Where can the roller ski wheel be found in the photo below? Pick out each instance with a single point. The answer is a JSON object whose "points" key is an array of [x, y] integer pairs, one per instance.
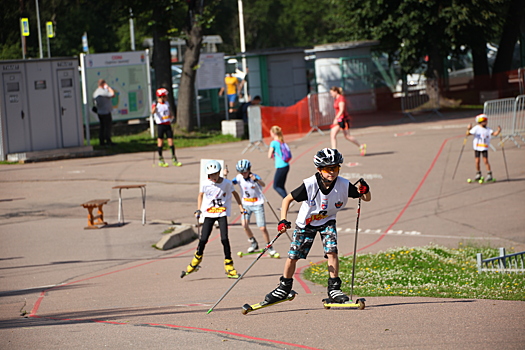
{"points": [[186, 273], [247, 308], [359, 304]]}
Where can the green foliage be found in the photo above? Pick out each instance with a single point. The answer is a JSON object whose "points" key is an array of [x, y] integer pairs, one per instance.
{"points": [[430, 271]]}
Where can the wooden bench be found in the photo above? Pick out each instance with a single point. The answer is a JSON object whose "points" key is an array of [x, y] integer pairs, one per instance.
{"points": [[94, 221], [121, 210]]}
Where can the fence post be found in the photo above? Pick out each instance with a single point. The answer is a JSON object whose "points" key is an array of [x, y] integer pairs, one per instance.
{"points": [[502, 261], [479, 260]]}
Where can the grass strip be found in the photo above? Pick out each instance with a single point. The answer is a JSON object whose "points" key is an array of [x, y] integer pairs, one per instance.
{"points": [[429, 271]]}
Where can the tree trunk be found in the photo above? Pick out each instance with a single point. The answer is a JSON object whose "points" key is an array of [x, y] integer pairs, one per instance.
{"points": [[506, 45], [187, 81], [480, 65], [162, 55]]}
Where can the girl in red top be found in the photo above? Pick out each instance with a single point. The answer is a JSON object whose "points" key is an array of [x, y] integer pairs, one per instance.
{"points": [[342, 120]]}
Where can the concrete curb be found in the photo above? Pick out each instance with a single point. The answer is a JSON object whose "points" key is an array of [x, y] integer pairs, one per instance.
{"points": [[181, 234]]}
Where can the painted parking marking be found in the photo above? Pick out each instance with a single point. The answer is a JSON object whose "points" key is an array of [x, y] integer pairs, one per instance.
{"points": [[408, 233]]}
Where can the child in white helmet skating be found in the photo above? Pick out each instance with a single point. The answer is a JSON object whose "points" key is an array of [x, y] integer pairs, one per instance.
{"points": [[214, 203], [253, 202]]}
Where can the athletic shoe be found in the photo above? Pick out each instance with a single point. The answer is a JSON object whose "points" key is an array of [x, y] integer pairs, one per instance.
{"points": [[230, 270], [489, 176], [194, 262], [254, 245], [176, 162], [334, 290], [478, 176], [272, 251], [281, 292], [362, 148], [162, 163]]}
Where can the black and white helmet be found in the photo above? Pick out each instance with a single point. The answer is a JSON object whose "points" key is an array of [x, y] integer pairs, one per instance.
{"points": [[213, 167], [327, 157], [243, 165]]}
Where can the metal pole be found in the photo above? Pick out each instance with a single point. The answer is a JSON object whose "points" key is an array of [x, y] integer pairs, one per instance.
{"points": [[131, 30], [243, 46], [39, 30]]}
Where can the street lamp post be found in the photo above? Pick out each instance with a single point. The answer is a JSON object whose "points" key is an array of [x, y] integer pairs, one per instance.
{"points": [[243, 46]]}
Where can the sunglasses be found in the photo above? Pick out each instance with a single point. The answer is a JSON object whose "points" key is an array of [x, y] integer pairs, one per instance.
{"points": [[331, 168]]}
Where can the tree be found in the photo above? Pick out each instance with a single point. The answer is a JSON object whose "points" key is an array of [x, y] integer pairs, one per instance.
{"points": [[199, 16]]}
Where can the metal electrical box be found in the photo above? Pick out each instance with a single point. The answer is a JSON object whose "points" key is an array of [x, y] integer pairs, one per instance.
{"points": [[40, 105]]}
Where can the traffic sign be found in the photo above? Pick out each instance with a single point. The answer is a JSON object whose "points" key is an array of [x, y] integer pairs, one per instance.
{"points": [[24, 26]]}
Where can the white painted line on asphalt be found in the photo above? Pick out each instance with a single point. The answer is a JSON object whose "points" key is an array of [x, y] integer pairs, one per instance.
{"points": [[351, 176], [408, 233]]}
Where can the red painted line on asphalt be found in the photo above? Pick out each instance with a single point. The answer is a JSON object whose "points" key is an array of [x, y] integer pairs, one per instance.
{"points": [[235, 334]]}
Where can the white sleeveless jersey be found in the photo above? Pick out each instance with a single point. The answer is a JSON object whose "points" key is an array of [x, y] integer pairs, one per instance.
{"points": [[320, 208], [251, 192], [162, 114], [217, 198], [482, 138]]}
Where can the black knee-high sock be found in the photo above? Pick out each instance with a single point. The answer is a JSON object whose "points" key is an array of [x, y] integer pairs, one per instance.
{"points": [[172, 151], [159, 149]]}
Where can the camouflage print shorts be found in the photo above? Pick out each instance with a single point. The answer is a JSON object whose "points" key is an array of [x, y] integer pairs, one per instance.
{"points": [[303, 238]]}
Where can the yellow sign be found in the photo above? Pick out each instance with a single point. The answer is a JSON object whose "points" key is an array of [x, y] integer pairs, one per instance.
{"points": [[49, 29], [24, 26]]}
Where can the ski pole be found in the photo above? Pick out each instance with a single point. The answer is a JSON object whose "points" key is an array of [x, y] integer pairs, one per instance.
{"points": [[355, 243], [271, 208], [460, 153], [244, 273], [355, 247], [504, 158]]}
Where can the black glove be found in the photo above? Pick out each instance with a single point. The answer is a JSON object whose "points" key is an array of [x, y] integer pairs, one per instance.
{"points": [[364, 189], [197, 213], [283, 225]]}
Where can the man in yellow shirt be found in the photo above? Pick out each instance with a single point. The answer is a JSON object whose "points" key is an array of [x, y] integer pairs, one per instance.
{"points": [[232, 90]]}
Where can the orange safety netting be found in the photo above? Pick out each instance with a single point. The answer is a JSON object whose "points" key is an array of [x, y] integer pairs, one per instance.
{"points": [[293, 120]]}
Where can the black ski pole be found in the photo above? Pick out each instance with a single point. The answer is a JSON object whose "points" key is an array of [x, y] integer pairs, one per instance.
{"points": [[355, 247], [504, 158], [460, 154], [271, 208], [355, 243], [244, 273]]}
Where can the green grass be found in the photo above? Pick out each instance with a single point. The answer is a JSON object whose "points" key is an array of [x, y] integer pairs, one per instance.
{"points": [[143, 142], [429, 271]]}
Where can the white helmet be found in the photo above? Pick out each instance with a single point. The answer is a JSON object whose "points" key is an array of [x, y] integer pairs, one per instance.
{"points": [[213, 167], [243, 165]]}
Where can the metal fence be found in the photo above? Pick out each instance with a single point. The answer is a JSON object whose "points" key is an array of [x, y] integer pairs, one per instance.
{"points": [[502, 263], [416, 99], [509, 113], [321, 110]]}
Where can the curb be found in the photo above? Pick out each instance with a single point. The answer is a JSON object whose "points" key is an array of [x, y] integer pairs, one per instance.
{"points": [[181, 234]]}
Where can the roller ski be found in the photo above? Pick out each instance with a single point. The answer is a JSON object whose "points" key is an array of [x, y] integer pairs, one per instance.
{"points": [[271, 252], [329, 303], [162, 163], [230, 270], [336, 298], [193, 266], [480, 179], [283, 292], [249, 308]]}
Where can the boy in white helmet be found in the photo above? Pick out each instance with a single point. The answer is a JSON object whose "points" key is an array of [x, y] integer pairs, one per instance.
{"points": [[214, 203], [253, 202], [482, 136], [322, 196], [163, 116]]}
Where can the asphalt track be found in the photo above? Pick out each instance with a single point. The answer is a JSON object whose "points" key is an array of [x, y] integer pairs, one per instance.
{"points": [[65, 287]]}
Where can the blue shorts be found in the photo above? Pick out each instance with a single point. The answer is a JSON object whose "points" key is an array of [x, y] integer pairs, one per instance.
{"points": [[303, 238], [232, 98], [258, 210]]}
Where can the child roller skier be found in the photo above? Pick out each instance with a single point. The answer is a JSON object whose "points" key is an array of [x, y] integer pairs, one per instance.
{"points": [[322, 195], [253, 202], [482, 136], [163, 116], [214, 202]]}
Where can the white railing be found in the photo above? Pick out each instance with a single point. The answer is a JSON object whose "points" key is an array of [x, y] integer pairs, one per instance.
{"points": [[509, 113], [502, 263]]}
